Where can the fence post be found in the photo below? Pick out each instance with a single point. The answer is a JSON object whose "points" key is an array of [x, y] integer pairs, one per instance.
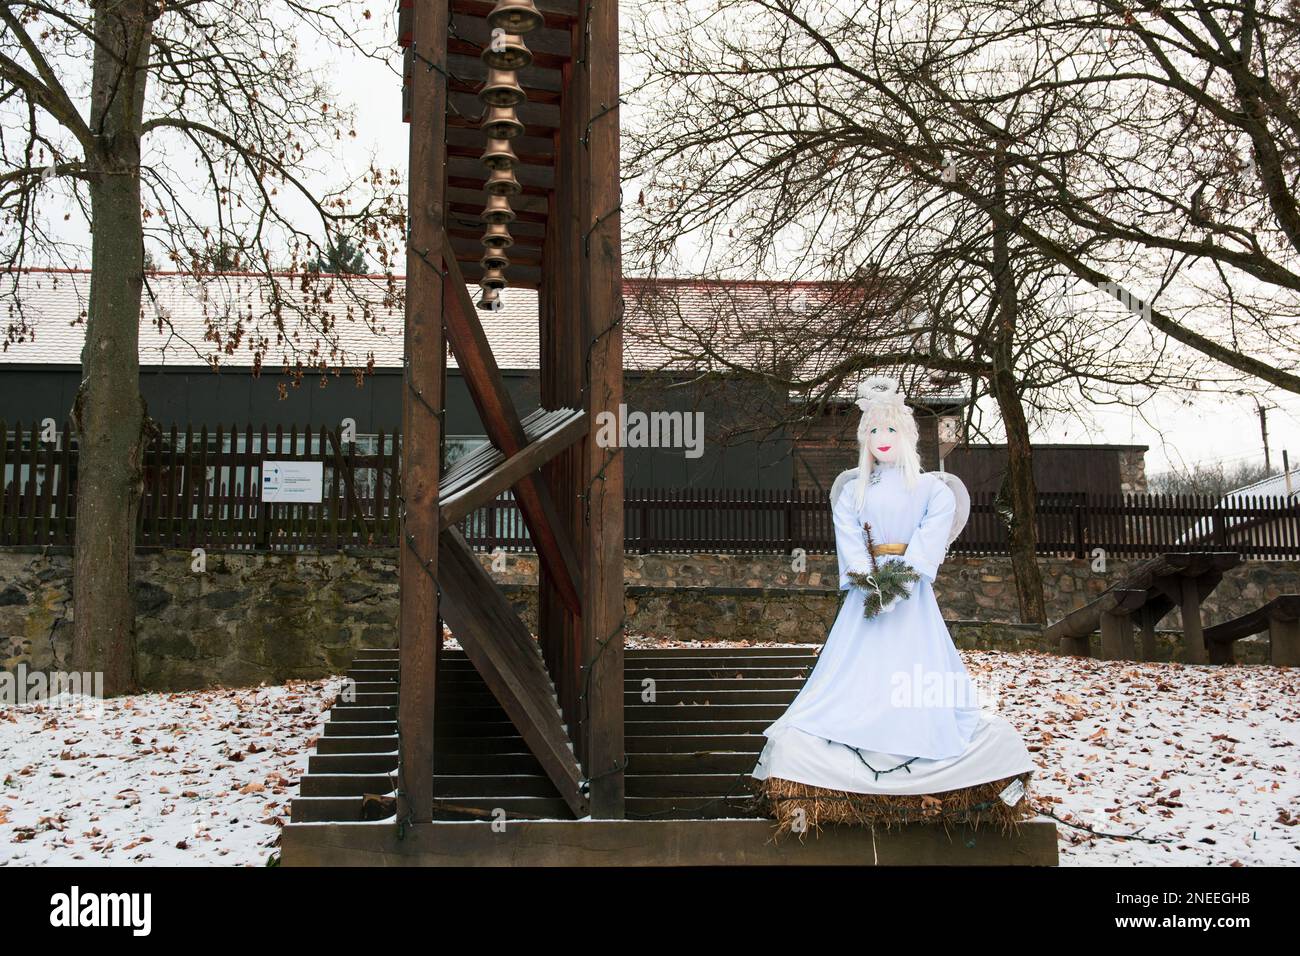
{"points": [[490, 526], [1220, 528], [789, 520], [645, 524], [1080, 545]]}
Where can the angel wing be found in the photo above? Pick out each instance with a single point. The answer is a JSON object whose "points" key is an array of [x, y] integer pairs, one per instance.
{"points": [[962, 514], [842, 479]]}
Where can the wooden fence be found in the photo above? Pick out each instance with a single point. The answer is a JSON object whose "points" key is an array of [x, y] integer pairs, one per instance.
{"points": [[203, 488]]}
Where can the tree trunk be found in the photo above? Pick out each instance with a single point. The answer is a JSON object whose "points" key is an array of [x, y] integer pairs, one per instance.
{"points": [[109, 413], [1020, 496], [1018, 492]]}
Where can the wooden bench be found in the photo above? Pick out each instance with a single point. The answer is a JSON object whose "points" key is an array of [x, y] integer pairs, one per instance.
{"points": [[1146, 593], [1280, 617]]}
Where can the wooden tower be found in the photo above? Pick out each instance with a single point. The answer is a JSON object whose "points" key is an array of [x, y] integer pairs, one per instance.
{"points": [[564, 226]]}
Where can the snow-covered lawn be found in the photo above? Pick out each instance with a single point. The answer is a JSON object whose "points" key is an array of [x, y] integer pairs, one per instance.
{"points": [[1202, 759], [159, 779]]}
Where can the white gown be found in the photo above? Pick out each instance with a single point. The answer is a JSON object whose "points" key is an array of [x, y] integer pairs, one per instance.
{"points": [[889, 707]]}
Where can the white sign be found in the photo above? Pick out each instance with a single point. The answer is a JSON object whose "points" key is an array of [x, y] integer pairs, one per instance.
{"points": [[300, 481]]}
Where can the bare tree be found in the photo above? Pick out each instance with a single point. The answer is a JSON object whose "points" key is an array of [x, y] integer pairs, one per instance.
{"points": [[1153, 146], [195, 128], [901, 148]]}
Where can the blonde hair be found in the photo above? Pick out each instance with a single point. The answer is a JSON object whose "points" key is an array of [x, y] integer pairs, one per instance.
{"points": [[894, 415]]}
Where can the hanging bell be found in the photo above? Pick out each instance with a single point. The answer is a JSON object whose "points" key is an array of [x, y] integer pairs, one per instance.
{"points": [[507, 52], [493, 279], [502, 182], [497, 212], [498, 237], [494, 259], [490, 300], [515, 16], [502, 89], [500, 122], [499, 155]]}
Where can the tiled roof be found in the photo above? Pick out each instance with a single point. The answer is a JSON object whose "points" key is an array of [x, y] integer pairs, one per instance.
{"points": [[668, 324], [802, 329], [182, 318]]}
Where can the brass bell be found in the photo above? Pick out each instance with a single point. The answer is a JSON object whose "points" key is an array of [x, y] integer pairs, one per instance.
{"points": [[502, 182], [515, 16], [502, 89], [499, 155], [500, 122], [494, 259], [498, 211], [507, 52], [493, 279], [498, 237], [490, 300]]}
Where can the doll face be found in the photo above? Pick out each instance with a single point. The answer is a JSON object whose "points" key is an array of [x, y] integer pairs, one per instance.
{"points": [[884, 443]]}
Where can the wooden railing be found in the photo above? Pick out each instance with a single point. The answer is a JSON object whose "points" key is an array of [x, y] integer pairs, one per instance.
{"points": [[202, 488]]}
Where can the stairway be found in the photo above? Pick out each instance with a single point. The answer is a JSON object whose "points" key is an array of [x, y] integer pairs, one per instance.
{"points": [[694, 719]]}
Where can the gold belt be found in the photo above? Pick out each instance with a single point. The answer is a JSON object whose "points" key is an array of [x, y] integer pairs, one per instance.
{"points": [[880, 549]]}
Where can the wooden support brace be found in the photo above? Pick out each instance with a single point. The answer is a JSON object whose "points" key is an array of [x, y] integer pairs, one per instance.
{"points": [[1284, 642], [424, 354], [1116, 637], [508, 472], [1193, 638], [505, 431], [504, 653], [1280, 617], [1148, 636]]}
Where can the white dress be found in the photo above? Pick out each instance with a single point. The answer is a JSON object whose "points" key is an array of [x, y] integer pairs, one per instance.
{"points": [[889, 707]]}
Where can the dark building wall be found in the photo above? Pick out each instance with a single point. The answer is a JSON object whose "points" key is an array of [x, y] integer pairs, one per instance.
{"points": [[1060, 469], [199, 396], [740, 449]]}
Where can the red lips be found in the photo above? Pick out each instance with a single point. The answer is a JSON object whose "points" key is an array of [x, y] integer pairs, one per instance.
{"points": [[884, 447]]}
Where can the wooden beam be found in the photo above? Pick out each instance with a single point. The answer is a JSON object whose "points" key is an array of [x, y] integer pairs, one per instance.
{"points": [[1073, 630], [508, 659], [1117, 637], [497, 412], [664, 843], [1193, 638], [422, 400], [599, 243], [1284, 642], [1278, 617], [508, 472], [555, 13]]}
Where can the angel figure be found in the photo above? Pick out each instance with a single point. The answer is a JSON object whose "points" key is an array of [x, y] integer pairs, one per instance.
{"points": [[888, 727]]}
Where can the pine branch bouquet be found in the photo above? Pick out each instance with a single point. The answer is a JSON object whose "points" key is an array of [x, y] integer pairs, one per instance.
{"points": [[886, 584]]}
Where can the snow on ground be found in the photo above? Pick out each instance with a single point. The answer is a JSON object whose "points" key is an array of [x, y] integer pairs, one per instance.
{"points": [[199, 778], [1202, 759]]}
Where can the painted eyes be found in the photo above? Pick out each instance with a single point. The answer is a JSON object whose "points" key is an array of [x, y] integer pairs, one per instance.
{"points": [[892, 431]]}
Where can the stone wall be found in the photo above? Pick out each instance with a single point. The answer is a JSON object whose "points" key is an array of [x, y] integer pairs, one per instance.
{"points": [[251, 618], [1133, 470]]}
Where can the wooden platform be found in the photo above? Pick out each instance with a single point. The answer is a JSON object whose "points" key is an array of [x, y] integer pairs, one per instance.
{"points": [[689, 752], [659, 843]]}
